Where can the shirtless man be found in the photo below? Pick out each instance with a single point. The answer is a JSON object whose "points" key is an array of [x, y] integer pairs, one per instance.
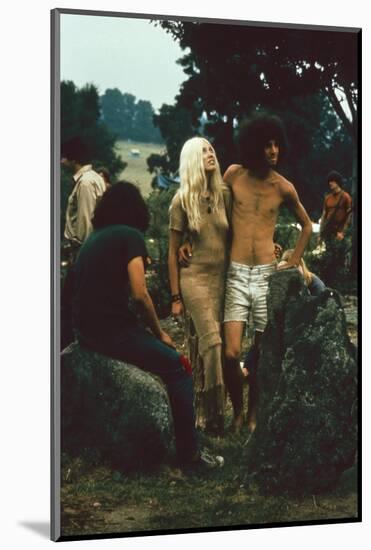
{"points": [[258, 193]]}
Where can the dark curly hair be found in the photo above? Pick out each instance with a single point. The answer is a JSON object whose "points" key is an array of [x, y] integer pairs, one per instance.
{"points": [[335, 176], [254, 135], [122, 204]]}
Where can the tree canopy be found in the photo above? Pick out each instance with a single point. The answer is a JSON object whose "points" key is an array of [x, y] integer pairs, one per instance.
{"points": [[81, 117], [233, 68], [129, 118]]}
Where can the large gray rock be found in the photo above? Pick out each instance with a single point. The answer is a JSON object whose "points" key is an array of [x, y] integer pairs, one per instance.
{"points": [[307, 424], [118, 411]]}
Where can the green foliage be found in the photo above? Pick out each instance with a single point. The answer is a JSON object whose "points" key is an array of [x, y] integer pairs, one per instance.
{"points": [[144, 128], [317, 144], [176, 125], [128, 118], [118, 112], [157, 240], [286, 232], [66, 189], [333, 266], [249, 67], [81, 117]]}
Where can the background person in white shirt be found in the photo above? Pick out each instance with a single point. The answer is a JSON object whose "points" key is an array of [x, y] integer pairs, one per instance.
{"points": [[88, 189]]}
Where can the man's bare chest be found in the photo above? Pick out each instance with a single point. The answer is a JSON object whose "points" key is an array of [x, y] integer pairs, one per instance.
{"points": [[264, 200]]}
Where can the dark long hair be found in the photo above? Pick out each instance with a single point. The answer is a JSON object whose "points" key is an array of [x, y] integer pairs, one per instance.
{"points": [[122, 204], [254, 135]]}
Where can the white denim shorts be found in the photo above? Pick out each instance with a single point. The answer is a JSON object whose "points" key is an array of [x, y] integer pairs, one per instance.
{"points": [[246, 293]]}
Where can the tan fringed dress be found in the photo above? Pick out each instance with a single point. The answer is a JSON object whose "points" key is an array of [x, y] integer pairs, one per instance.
{"points": [[202, 287]]}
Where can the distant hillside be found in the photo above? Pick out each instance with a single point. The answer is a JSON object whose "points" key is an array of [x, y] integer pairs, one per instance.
{"points": [[137, 169]]}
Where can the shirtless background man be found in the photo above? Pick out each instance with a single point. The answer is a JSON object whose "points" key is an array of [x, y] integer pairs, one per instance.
{"points": [[258, 193]]}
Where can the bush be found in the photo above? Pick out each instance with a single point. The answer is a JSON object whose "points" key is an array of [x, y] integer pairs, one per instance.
{"points": [[333, 265], [67, 184], [157, 240], [286, 232]]}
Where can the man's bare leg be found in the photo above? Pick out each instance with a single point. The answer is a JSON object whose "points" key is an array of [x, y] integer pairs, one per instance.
{"points": [[233, 331], [253, 389]]}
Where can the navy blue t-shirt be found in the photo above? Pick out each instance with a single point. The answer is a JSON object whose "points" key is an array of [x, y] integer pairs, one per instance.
{"points": [[101, 281]]}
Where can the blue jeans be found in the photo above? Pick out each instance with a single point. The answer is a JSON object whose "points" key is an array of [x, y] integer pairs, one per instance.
{"points": [[140, 348]]}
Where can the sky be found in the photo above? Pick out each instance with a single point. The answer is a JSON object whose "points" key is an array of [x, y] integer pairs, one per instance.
{"points": [[130, 54]]}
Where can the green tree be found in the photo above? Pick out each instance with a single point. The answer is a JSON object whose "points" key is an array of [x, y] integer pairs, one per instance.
{"points": [[157, 239], [252, 66], [81, 117], [118, 111], [112, 110], [128, 118], [318, 143], [176, 125], [143, 125]]}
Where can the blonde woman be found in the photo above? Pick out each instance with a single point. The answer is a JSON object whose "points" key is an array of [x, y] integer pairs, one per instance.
{"points": [[314, 283], [198, 213]]}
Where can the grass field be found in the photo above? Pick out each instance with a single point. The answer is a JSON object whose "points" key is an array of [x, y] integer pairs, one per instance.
{"points": [[137, 169]]}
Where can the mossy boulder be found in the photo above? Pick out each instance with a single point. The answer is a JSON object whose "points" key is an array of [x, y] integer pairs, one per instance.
{"points": [[117, 411], [306, 434]]}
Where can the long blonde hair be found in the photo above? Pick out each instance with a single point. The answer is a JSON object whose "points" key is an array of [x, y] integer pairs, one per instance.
{"points": [[193, 181], [307, 275]]}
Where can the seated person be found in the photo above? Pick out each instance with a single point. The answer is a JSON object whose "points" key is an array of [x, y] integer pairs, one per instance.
{"points": [[111, 266]]}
